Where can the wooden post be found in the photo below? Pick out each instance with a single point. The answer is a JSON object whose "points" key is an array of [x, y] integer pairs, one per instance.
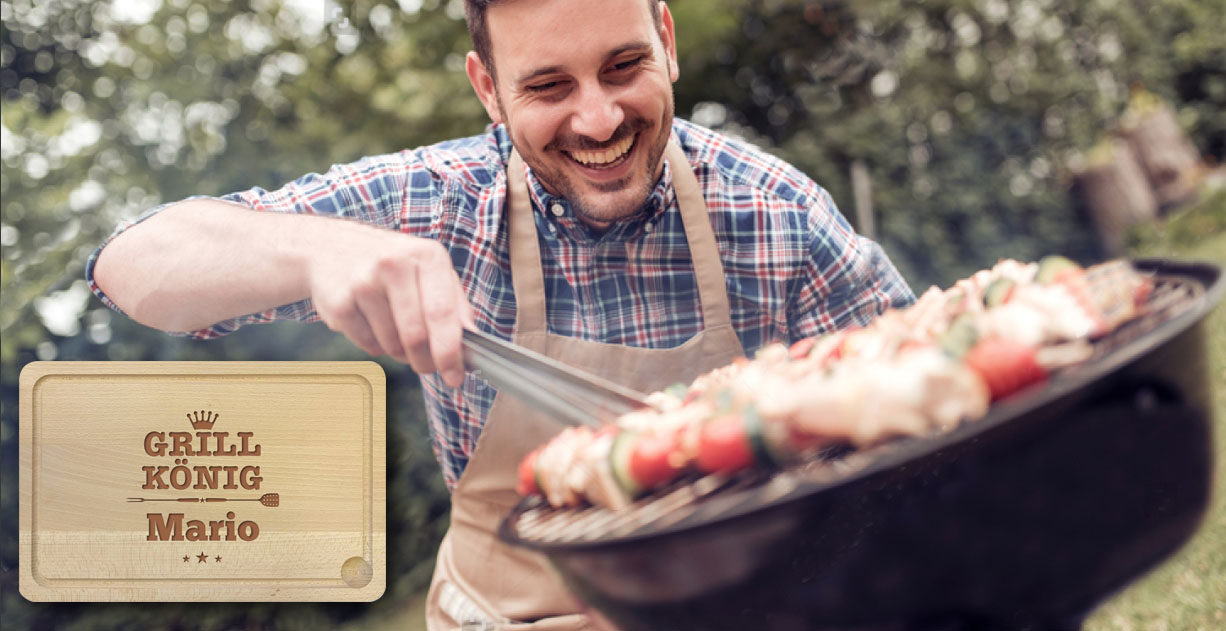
{"points": [[1117, 192], [862, 197], [1166, 154]]}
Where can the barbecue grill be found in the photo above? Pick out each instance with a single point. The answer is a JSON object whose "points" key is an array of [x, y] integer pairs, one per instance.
{"points": [[1025, 519]]}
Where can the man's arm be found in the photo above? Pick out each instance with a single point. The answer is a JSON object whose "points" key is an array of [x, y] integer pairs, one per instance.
{"points": [[848, 279], [204, 260]]}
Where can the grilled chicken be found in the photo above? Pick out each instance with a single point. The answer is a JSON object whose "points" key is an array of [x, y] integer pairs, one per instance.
{"points": [[912, 372]]}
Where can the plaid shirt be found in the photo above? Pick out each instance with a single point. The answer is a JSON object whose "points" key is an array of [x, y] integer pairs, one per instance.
{"points": [[794, 266]]}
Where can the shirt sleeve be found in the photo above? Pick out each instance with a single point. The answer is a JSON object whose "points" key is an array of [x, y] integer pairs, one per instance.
{"points": [[374, 190], [847, 280]]}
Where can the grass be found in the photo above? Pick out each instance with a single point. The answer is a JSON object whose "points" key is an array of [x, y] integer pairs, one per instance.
{"points": [[1188, 591]]}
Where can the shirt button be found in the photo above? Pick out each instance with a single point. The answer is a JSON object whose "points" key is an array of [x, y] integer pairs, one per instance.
{"points": [[558, 209], [647, 227]]}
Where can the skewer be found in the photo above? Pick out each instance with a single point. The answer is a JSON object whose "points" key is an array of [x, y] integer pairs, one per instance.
{"points": [[983, 340], [267, 499]]}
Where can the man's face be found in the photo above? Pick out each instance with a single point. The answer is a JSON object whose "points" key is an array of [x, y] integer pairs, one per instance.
{"points": [[585, 90]]}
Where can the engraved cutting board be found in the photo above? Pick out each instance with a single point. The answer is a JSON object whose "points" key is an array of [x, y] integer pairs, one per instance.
{"points": [[202, 481]]}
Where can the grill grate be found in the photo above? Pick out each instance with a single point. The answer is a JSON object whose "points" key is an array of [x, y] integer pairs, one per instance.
{"points": [[1171, 297], [696, 499]]}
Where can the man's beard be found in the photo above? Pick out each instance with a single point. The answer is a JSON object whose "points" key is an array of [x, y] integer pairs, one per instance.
{"points": [[596, 207]]}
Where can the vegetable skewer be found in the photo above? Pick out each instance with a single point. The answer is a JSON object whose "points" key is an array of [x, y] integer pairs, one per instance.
{"points": [[910, 372]]}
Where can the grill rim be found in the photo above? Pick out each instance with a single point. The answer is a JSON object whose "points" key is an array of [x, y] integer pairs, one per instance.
{"points": [[896, 455]]}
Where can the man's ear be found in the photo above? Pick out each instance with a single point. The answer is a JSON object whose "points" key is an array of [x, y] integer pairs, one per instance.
{"points": [[483, 83], [668, 36]]}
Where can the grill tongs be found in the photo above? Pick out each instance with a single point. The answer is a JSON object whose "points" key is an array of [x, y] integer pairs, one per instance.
{"points": [[564, 393]]}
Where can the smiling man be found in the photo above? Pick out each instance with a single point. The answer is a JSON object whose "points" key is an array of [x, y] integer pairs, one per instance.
{"points": [[586, 95], [587, 223]]}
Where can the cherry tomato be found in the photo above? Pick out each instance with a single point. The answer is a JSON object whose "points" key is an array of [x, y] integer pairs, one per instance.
{"points": [[723, 445], [651, 464], [1006, 366], [527, 475]]}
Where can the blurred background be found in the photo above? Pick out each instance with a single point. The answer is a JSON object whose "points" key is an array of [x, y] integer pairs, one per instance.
{"points": [[954, 132]]}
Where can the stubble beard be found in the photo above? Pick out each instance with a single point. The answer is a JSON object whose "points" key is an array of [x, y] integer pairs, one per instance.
{"points": [[597, 207]]}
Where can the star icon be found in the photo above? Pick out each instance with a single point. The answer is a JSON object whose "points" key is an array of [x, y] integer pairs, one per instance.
{"points": [[202, 558], [218, 559], [185, 558]]}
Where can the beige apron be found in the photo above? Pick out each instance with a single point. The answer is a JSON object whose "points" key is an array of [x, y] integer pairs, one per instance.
{"points": [[480, 582]]}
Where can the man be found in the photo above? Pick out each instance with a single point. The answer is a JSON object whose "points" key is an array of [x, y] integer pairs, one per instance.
{"points": [[632, 244]]}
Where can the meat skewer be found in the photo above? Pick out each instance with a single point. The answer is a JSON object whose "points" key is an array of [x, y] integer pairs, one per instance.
{"points": [[911, 372]]}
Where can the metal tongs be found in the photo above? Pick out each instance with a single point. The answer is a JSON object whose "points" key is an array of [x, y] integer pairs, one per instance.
{"points": [[565, 393]]}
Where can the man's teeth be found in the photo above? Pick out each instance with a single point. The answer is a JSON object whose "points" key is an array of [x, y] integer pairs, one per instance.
{"points": [[599, 158]]}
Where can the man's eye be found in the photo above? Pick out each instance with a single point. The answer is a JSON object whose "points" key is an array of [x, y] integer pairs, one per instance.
{"points": [[543, 87], [628, 64]]}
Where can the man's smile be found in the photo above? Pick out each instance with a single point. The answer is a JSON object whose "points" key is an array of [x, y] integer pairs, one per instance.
{"points": [[606, 158]]}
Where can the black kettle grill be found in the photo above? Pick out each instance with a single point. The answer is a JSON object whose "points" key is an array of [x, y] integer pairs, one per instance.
{"points": [[1025, 519]]}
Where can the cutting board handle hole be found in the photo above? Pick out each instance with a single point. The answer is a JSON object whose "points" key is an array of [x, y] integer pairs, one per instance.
{"points": [[356, 572]]}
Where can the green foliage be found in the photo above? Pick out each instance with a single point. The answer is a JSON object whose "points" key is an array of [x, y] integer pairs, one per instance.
{"points": [[1187, 228], [970, 116]]}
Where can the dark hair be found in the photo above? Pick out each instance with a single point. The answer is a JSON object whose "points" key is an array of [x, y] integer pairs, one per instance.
{"points": [[478, 30]]}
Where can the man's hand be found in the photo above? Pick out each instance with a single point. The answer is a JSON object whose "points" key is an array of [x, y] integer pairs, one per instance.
{"points": [[203, 261], [393, 294]]}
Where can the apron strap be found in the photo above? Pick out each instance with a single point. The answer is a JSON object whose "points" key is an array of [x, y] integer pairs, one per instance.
{"points": [[527, 276], [708, 268]]}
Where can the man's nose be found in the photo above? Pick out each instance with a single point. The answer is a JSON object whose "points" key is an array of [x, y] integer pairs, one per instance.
{"points": [[597, 114]]}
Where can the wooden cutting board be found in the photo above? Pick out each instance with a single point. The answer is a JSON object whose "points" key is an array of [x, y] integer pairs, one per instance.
{"points": [[202, 481]]}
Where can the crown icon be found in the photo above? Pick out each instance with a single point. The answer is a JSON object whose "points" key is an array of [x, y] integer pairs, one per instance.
{"points": [[203, 419]]}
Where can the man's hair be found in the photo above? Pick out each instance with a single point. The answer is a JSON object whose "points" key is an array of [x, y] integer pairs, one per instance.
{"points": [[479, 30]]}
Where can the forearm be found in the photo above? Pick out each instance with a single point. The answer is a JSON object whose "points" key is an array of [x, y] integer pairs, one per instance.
{"points": [[203, 261]]}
